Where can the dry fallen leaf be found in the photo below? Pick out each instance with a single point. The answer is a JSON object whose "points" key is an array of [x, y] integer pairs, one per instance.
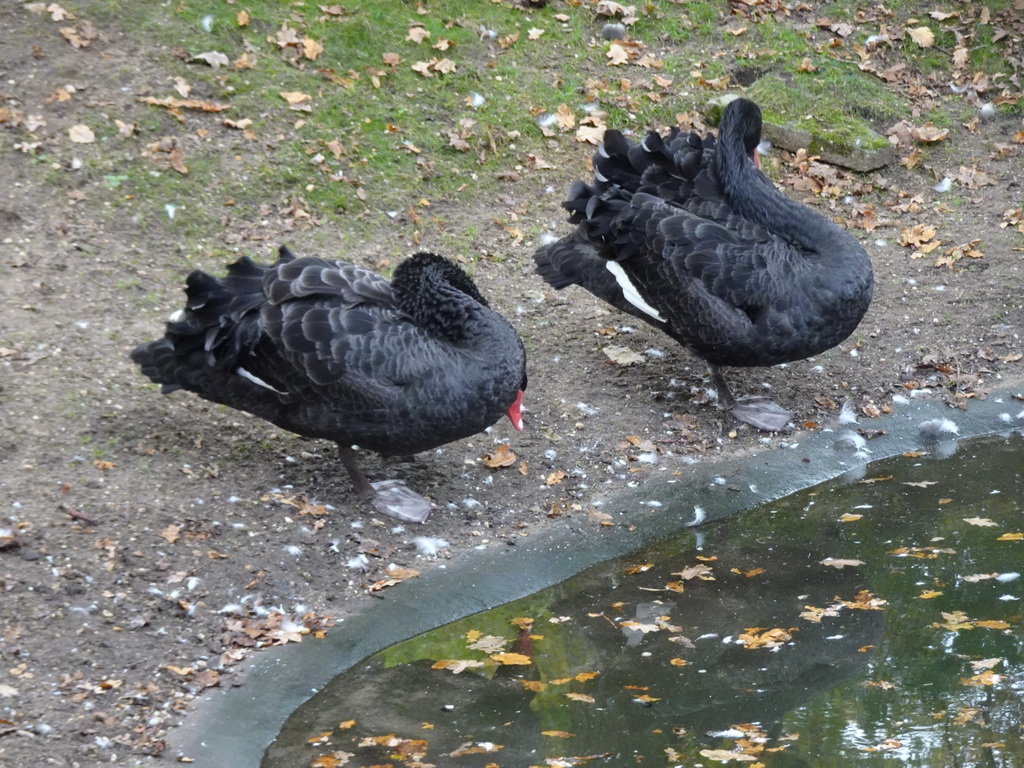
{"points": [[296, 99], [622, 355], [215, 59], [311, 48], [501, 456], [175, 104], [81, 134], [923, 36], [554, 478], [617, 55], [928, 133], [417, 34], [917, 235]]}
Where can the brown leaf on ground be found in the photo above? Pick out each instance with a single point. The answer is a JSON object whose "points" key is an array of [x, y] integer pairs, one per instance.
{"points": [[501, 456], [923, 36], [929, 133], [175, 104]]}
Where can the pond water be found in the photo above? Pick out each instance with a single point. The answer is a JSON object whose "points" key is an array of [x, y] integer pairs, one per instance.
{"points": [[873, 620]]}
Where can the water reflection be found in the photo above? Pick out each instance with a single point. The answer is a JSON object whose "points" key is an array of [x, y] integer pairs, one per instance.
{"points": [[875, 622]]}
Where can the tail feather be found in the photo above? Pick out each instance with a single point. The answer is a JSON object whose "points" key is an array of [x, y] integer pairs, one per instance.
{"points": [[202, 345], [573, 262]]}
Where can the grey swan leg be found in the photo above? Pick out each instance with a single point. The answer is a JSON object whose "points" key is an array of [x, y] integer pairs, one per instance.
{"points": [[759, 412], [389, 497]]}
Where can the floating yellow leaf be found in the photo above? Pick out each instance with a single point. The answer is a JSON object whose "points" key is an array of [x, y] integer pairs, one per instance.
{"points": [[646, 699], [702, 572], [928, 594], [469, 748], [980, 665], [511, 658], [849, 517], [456, 665], [725, 756], [558, 734], [1011, 537], [834, 562], [758, 637], [992, 624], [580, 697], [983, 679]]}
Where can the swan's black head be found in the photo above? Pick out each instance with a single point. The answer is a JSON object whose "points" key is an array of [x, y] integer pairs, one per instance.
{"points": [[413, 271], [742, 118]]}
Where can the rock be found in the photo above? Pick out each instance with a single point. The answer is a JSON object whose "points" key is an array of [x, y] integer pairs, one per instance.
{"points": [[852, 156], [795, 118]]}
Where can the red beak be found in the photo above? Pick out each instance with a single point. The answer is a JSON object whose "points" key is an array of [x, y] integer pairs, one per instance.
{"points": [[514, 412]]}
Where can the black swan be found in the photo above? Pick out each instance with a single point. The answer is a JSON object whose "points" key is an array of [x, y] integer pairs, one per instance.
{"points": [[328, 350], [687, 234]]}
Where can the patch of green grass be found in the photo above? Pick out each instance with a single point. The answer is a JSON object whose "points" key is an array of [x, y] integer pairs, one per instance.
{"points": [[380, 137], [784, 103]]}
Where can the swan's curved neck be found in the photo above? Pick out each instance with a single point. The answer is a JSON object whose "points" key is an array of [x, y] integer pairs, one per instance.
{"points": [[754, 197], [442, 302]]}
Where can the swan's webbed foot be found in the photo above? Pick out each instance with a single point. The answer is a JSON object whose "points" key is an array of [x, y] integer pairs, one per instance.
{"points": [[389, 497], [395, 499], [755, 410], [761, 412]]}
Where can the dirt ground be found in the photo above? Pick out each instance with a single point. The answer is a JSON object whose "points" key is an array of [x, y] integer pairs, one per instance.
{"points": [[149, 543]]}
